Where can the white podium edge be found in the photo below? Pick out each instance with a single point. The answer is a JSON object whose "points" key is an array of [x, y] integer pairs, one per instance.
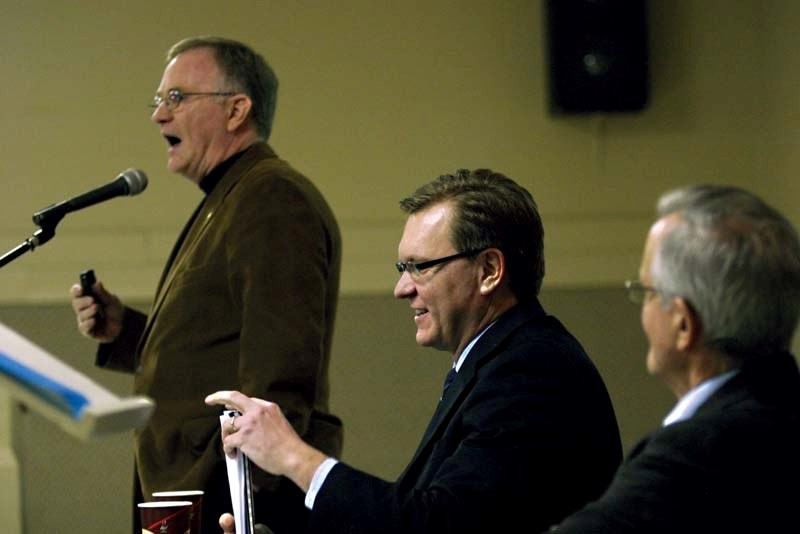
{"points": [[105, 414]]}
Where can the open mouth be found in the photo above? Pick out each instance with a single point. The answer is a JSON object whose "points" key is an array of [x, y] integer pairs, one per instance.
{"points": [[172, 140]]}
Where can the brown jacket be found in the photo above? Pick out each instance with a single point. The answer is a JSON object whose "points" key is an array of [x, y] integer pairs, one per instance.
{"points": [[247, 301]]}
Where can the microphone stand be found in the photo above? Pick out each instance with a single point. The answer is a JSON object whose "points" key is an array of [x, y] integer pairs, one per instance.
{"points": [[39, 238]]}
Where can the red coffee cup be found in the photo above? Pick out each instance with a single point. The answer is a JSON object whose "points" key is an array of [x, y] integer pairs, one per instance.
{"points": [[165, 517], [196, 498]]}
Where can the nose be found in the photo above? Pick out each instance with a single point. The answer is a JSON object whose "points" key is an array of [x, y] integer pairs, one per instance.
{"points": [[404, 288], [160, 113]]}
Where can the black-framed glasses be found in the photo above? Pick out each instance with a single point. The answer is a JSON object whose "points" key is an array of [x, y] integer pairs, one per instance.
{"points": [[415, 268], [637, 290], [176, 96]]}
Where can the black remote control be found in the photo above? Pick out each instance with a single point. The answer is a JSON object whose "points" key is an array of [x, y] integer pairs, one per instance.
{"points": [[87, 283]]}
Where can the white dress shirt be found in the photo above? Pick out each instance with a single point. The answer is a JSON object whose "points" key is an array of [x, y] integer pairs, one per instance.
{"points": [[689, 403]]}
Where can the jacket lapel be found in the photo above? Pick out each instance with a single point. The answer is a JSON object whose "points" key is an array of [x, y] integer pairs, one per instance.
{"points": [[483, 351]]}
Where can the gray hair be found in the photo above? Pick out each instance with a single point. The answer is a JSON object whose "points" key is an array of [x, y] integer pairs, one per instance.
{"points": [[245, 71], [491, 211], [736, 260]]}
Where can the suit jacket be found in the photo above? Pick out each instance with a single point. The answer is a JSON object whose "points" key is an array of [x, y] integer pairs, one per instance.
{"points": [[524, 435], [247, 301], [732, 467]]}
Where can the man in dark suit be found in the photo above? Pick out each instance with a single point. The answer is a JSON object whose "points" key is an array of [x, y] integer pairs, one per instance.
{"points": [[524, 434], [248, 296], [720, 290]]}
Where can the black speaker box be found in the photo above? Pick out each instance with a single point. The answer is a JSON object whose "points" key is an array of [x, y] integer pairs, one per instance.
{"points": [[598, 56]]}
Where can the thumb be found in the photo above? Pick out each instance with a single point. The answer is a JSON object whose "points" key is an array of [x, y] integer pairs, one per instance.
{"points": [[227, 523]]}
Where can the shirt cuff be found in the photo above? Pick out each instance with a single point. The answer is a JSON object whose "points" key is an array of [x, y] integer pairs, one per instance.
{"points": [[318, 479]]}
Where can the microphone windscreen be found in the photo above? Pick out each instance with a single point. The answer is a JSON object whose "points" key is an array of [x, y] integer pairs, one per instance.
{"points": [[136, 180]]}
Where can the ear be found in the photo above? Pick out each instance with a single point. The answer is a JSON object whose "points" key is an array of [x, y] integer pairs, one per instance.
{"points": [[686, 324], [492, 264], [239, 107]]}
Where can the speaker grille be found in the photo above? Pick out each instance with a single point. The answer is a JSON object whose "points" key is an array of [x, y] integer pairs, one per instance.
{"points": [[598, 55]]}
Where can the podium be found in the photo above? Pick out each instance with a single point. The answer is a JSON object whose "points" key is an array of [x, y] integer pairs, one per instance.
{"points": [[62, 395]]}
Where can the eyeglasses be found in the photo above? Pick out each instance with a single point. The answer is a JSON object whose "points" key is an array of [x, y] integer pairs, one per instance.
{"points": [[415, 268], [636, 291], [176, 96]]}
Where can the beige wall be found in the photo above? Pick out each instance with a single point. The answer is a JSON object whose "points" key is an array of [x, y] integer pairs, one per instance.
{"points": [[376, 97]]}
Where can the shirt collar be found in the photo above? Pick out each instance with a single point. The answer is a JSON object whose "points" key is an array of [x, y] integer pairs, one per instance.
{"points": [[210, 180], [468, 348], [689, 403]]}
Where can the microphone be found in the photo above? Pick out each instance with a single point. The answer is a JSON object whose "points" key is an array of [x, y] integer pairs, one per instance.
{"points": [[129, 182]]}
